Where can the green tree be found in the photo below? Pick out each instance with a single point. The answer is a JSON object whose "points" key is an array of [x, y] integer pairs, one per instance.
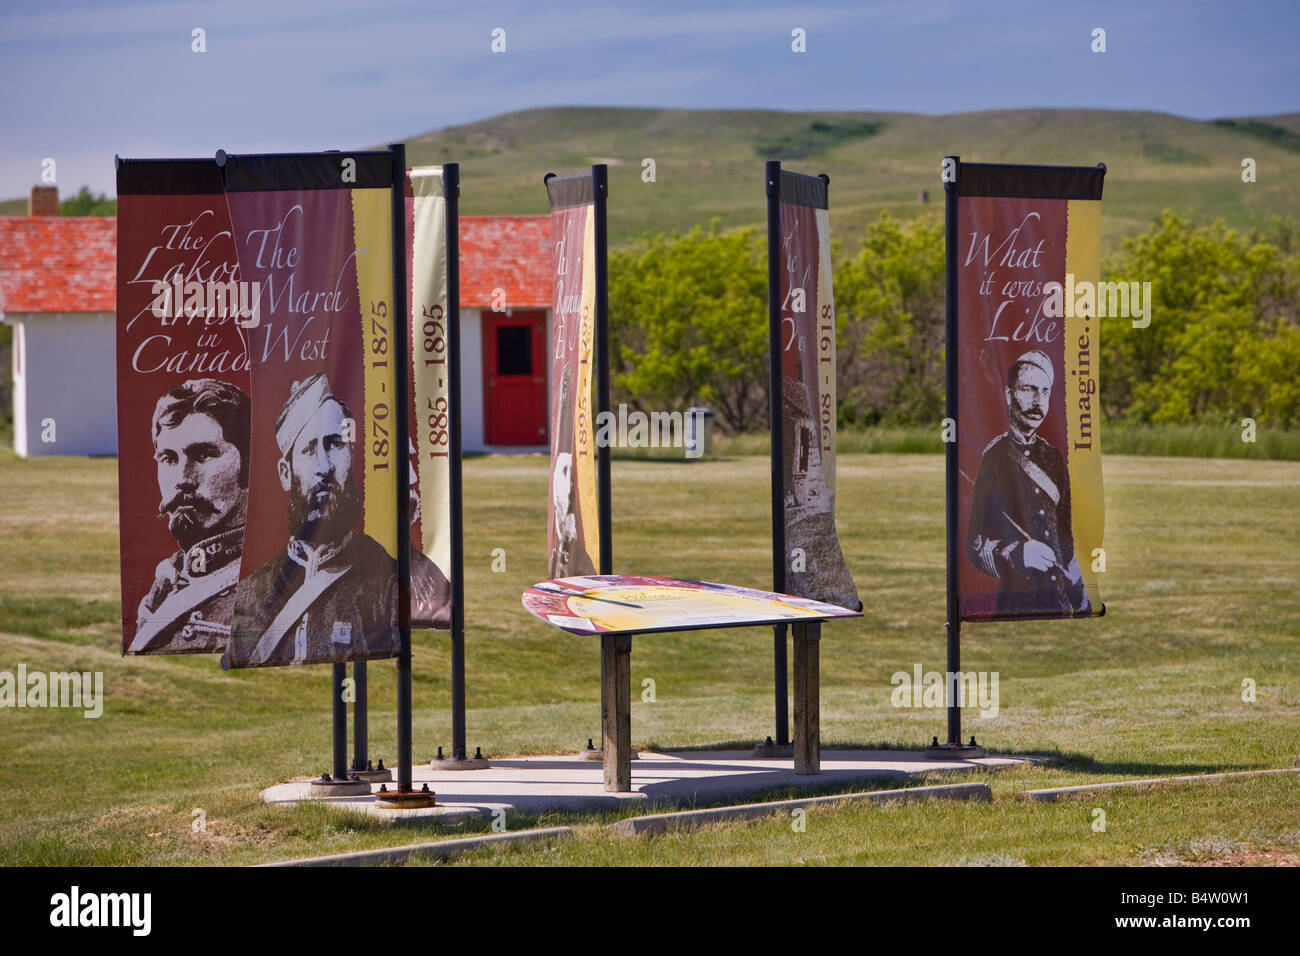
{"points": [[688, 322], [1223, 320], [889, 304], [86, 203]]}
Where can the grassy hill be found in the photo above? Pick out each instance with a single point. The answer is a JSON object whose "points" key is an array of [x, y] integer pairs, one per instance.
{"points": [[709, 162]]}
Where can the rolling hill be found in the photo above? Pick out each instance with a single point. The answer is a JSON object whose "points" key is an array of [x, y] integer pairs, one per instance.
{"points": [[709, 162]]}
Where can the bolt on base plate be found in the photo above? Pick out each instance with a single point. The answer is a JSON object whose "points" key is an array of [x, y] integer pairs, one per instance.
{"points": [[476, 762], [951, 751], [405, 800], [327, 786], [769, 748], [595, 753]]}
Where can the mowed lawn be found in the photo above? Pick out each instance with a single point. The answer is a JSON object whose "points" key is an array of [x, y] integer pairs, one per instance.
{"points": [[1202, 594]]}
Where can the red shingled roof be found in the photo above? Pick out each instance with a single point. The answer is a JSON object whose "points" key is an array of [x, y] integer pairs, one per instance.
{"points": [[505, 252], [69, 264], [53, 264]]}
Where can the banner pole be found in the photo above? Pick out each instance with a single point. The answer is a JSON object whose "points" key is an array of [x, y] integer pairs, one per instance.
{"points": [[340, 709], [953, 747], [401, 397], [772, 174], [600, 193], [451, 194], [950, 451], [360, 718]]}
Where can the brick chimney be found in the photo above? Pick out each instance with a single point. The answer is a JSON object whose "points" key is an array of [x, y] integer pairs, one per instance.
{"points": [[44, 201]]}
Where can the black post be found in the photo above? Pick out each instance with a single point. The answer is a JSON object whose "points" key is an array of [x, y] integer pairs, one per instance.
{"points": [[340, 724], [600, 193], [451, 195], [950, 451], [780, 677], [360, 719], [953, 747], [401, 398]]}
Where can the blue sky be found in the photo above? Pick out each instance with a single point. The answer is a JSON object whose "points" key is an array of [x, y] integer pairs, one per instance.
{"points": [[83, 80]]}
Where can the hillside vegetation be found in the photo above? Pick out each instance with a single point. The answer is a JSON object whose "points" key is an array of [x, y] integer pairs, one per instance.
{"points": [[708, 163]]}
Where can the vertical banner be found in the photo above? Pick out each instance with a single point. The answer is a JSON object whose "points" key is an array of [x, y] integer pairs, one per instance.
{"points": [[318, 580], [430, 389], [1030, 512], [815, 564], [184, 318], [572, 535]]}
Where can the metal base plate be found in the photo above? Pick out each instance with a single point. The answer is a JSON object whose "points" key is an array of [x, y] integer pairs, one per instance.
{"points": [[954, 752], [374, 776], [774, 750], [411, 800], [459, 763], [339, 788]]}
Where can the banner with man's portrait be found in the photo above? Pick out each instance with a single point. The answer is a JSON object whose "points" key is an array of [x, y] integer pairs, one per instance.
{"points": [[815, 567], [430, 391], [184, 320], [318, 580], [572, 535], [1030, 505]]}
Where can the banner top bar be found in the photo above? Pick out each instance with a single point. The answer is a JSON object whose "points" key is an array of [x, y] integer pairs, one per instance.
{"points": [[1013, 181], [577, 189], [803, 190], [167, 177], [267, 172]]}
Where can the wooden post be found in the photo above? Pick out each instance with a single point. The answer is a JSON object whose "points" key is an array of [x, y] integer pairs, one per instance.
{"points": [[807, 698], [616, 710]]}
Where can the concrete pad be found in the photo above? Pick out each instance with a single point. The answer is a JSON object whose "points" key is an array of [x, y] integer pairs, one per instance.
{"points": [[659, 822], [667, 779], [1053, 794], [442, 850]]}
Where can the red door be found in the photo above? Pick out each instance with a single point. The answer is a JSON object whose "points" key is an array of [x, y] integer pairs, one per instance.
{"points": [[514, 378]]}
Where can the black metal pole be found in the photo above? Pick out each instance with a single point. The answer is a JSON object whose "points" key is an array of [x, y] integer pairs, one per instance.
{"points": [[401, 398], [780, 678], [451, 195], [951, 478], [360, 718], [340, 724], [600, 193]]}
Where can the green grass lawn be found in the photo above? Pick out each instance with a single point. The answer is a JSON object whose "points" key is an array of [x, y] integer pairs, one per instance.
{"points": [[1203, 566]]}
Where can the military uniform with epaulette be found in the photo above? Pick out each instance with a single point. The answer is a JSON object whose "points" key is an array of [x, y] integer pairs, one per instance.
{"points": [[1023, 493]]}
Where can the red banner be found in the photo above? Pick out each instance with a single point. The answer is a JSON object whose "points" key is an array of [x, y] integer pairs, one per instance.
{"points": [[1030, 508], [182, 406], [318, 578]]}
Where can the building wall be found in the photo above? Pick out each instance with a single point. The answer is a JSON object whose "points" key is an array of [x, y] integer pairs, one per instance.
{"points": [[68, 372], [471, 384], [64, 368]]}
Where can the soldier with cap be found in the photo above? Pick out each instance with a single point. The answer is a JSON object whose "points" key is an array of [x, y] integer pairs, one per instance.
{"points": [[332, 594], [1020, 526], [200, 440]]}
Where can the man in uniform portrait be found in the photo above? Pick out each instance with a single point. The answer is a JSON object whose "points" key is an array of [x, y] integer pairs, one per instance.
{"points": [[200, 439], [1020, 528], [331, 595]]}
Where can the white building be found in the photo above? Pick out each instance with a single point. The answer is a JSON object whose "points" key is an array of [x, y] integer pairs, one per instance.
{"points": [[58, 291]]}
